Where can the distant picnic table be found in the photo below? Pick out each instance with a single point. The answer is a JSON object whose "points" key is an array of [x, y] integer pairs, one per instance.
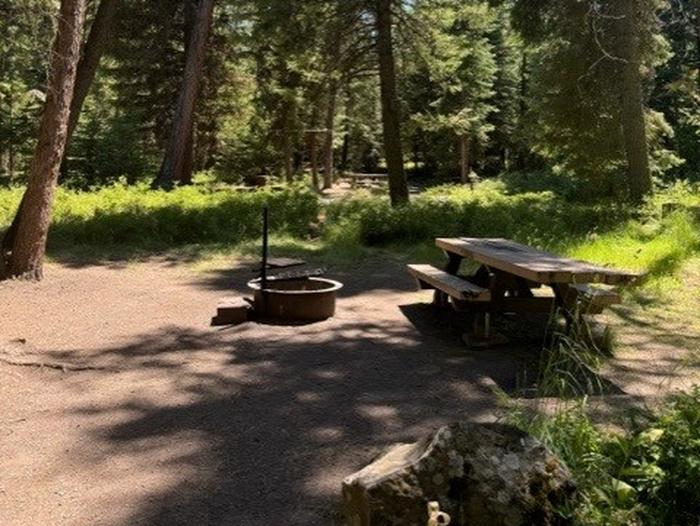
{"points": [[507, 274], [364, 178]]}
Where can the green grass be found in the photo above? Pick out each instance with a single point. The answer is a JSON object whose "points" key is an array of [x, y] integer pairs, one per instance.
{"points": [[538, 218], [127, 221], [133, 219], [657, 247]]}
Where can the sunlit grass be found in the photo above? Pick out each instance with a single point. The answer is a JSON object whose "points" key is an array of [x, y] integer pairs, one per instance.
{"points": [[657, 249]]}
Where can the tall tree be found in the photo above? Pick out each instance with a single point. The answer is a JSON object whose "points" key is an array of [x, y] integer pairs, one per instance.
{"points": [[677, 88], [590, 68], [328, 162], [24, 244], [449, 83], [398, 187], [25, 28], [175, 160], [94, 48], [632, 102]]}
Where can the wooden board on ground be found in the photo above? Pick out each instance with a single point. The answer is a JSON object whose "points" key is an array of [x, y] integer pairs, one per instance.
{"points": [[530, 263]]}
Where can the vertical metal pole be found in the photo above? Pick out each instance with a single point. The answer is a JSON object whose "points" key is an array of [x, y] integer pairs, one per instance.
{"points": [[263, 275]]}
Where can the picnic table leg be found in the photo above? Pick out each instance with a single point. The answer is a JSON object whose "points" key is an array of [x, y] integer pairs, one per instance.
{"points": [[441, 299], [561, 293], [482, 325]]}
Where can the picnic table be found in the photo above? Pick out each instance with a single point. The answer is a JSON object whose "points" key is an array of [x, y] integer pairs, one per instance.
{"points": [[364, 178], [507, 274]]}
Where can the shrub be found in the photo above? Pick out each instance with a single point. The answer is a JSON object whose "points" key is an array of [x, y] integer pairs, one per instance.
{"points": [[139, 217], [650, 475], [677, 455], [540, 218]]}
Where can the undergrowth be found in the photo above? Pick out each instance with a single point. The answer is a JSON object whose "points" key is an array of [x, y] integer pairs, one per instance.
{"points": [[137, 217], [570, 361], [649, 475]]}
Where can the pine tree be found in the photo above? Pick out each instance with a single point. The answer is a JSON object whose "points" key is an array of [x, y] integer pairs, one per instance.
{"points": [[24, 244]]}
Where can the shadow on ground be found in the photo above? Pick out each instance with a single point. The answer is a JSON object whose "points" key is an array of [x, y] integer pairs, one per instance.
{"points": [[261, 423]]}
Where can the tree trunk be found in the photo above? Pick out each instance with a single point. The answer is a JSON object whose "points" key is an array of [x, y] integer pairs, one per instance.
{"points": [[313, 157], [328, 164], [287, 146], [185, 176], [349, 111], [23, 253], [696, 19], [632, 105], [464, 160], [98, 39], [398, 187], [175, 159]]}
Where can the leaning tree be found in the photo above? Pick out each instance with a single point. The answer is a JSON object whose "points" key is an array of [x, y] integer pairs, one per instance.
{"points": [[24, 244]]}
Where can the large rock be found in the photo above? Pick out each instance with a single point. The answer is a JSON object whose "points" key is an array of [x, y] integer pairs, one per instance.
{"points": [[482, 475]]}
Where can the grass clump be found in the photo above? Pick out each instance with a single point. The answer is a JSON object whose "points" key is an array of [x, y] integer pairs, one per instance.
{"points": [[571, 358], [649, 475]]}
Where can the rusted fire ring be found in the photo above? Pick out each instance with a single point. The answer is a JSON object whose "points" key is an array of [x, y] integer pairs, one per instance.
{"points": [[296, 300]]}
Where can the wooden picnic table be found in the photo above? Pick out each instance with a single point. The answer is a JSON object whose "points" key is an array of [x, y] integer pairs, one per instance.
{"points": [[356, 178], [530, 263], [509, 272]]}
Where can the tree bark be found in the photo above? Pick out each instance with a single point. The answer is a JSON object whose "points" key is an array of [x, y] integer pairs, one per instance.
{"points": [[175, 159], [349, 111], [328, 163], [398, 187], [313, 157], [464, 160], [185, 176], [287, 146], [696, 19], [23, 250], [632, 105], [97, 41]]}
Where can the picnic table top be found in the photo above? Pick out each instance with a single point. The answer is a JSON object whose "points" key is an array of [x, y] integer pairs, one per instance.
{"points": [[532, 264]]}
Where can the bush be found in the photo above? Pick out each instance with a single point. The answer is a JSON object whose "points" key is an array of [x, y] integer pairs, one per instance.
{"points": [[677, 455], [139, 217], [649, 476], [539, 218]]}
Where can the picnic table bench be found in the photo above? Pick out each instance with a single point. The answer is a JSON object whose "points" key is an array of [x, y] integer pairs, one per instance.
{"points": [[507, 274], [364, 178]]}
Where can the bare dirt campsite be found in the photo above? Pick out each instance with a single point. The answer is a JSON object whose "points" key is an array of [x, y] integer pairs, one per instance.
{"points": [[152, 417], [349, 263]]}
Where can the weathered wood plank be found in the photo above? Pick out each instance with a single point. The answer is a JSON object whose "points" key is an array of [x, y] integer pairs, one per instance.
{"points": [[454, 286]]}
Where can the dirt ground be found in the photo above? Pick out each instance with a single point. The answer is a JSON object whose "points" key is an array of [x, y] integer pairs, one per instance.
{"points": [[160, 419]]}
